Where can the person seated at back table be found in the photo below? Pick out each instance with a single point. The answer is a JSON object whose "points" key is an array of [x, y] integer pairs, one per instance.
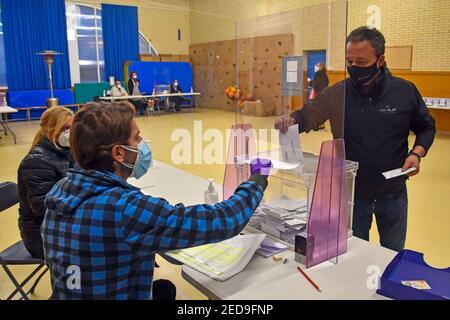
{"points": [[106, 232], [117, 90], [133, 90], [175, 88]]}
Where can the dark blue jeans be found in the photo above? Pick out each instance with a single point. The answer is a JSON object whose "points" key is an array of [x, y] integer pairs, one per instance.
{"points": [[391, 212]]}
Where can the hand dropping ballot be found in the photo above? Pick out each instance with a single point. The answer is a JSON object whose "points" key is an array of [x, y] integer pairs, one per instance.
{"points": [[291, 151], [397, 173], [290, 145]]}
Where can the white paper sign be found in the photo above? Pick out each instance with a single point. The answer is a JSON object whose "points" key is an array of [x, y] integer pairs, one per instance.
{"points": [[291, 77], [292, 66]]}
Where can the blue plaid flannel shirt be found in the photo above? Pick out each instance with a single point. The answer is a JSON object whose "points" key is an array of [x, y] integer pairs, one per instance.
{"points": [[101, 234]]}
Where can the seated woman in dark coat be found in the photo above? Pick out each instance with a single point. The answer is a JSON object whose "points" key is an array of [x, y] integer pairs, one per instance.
{"points": [[45, 164]]}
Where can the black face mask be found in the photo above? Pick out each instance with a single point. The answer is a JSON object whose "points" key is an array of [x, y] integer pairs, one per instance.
{"points": [[362, 75]]}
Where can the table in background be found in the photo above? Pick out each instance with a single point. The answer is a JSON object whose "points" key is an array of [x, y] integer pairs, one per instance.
{"points": [[164, 96], [4, 110]]}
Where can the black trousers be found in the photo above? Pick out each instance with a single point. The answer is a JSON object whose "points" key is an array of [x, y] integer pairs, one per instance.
{"points": [[178, 101], [35, 247], [140, 105], [164, 290]]}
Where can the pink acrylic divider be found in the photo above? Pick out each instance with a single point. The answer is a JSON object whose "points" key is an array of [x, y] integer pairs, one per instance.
{"points": [[327, 223], [241, 145]]}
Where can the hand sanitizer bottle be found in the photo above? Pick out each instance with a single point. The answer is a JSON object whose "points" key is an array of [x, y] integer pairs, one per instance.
{"points": [[104, 93], [192, 89], [153, 92], [211, 196]]}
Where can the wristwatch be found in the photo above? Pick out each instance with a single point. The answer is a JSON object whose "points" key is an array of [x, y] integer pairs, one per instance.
{"points": [[412, 153]]}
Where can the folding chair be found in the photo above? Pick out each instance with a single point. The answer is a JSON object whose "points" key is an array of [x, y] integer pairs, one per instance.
{"points": [[17, 254]]}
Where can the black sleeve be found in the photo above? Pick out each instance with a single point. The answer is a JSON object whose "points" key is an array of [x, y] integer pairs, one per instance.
{"points": [[422, 123], [130, 87], [172, 89], [38, 177], [260, 180], [313, 114]]}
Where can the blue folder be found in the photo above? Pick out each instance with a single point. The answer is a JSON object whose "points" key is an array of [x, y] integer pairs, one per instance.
{"points": [[409, 265]]}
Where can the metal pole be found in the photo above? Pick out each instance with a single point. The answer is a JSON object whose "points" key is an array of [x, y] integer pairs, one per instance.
{"points": [[51, 79]]}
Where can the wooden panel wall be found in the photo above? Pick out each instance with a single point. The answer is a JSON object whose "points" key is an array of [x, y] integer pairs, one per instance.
{"points": [[400, 58], [253, 63], [442, 118]]}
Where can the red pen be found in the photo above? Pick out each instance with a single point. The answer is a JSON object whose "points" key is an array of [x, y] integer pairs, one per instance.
{"points": [[309, 279]]}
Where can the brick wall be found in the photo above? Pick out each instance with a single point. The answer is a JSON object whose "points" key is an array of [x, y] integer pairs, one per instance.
{"points": [[423, 24]]}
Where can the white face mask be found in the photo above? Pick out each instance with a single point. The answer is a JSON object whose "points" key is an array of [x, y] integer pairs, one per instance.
{"points": [[316, 68], [63, 139], [176, 84], [134, 76], [119, 86]]}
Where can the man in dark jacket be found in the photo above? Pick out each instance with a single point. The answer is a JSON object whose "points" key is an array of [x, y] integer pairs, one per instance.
{"points": [[380, 111]]}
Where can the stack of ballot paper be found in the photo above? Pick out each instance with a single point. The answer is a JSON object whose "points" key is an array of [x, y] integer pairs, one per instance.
{"points": [[221, 260], [281, 218], [269, 248]]}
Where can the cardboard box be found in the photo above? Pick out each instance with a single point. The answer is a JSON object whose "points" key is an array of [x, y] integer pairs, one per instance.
{"points": [[257, 109]]}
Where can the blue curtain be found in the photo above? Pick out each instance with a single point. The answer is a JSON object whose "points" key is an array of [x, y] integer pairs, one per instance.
{"points": [[120, 37], [32, 26]]}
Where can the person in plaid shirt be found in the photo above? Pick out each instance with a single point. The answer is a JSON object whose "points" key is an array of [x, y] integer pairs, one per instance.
{"points": [[101, 234]]}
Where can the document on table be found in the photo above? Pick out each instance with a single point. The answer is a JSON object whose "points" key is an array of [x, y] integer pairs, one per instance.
{"points": [[397, 172], [290, 145], [269, 248], [221, 260]]}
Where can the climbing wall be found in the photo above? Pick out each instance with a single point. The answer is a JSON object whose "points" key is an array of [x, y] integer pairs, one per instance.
{"points": [[254, 64]]}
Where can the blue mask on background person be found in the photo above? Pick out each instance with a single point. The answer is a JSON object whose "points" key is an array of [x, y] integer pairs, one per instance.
{"points": [[143, 160]]}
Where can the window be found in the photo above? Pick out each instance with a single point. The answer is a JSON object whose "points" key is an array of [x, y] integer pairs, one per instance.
{"points": [[2, 57], [85, 40], [145, 47]]}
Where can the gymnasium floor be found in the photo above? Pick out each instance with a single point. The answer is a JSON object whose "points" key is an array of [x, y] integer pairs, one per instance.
{"points": [[429, 192]]}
